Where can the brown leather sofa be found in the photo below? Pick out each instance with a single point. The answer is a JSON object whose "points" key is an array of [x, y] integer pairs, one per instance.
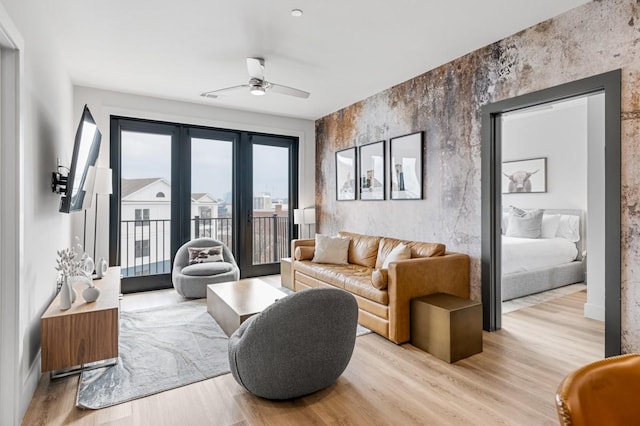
{"points": [[384, 311]]}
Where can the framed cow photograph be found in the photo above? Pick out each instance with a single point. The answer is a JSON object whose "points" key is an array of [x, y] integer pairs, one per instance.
{"points": [[524, 176]]}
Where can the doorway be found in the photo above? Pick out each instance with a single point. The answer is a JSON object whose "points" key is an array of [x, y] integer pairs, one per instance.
{"points": [[609, 84], [175, 183]]}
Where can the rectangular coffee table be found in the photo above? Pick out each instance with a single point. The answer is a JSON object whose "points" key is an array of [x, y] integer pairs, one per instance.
{"points": [[230, 304]]}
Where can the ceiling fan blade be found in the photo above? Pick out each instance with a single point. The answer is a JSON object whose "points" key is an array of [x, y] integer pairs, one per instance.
{"points": [[285, 90], [255, 67], [215, 93]]}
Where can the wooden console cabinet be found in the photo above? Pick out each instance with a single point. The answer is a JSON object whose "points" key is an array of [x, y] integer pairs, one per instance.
{"points": [[87, 332]]}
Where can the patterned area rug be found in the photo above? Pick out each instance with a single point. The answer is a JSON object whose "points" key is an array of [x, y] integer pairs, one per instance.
{"points": [[160, 349]]}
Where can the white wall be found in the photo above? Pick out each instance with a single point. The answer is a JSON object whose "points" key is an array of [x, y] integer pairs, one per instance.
{"points": [[104, 103], [594, 308], [46, 124], [560, 134]]}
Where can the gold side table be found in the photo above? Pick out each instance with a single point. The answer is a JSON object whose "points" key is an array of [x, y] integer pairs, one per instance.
{"points": [[448, 327]]}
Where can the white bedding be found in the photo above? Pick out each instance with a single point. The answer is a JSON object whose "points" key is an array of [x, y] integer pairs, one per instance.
{"points": [[525, 254]]}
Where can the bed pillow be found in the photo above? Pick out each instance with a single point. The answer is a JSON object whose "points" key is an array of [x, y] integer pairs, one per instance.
{"points": [[527, 225], [550, 224], [569, 228], [331, 250], [505, 222]]}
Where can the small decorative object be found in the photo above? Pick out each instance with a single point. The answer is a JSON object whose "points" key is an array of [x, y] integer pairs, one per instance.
{"points": [[91, 293], [524, 176], [406, 167], [65, 294], [346, 174], [73, 263], [372, 181], [101, 268]]}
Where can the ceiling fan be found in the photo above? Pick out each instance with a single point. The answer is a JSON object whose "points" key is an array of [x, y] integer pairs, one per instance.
{"points": [[257, 84]]}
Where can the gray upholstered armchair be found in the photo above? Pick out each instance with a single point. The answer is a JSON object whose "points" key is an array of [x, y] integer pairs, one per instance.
{"points": [[191, 280], [300, 344]]}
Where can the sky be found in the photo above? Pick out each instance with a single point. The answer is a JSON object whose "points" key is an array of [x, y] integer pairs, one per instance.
{"points": [[147, 155]]}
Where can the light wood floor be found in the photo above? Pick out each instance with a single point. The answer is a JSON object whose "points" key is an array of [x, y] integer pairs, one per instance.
{"points": [[512, 382]]}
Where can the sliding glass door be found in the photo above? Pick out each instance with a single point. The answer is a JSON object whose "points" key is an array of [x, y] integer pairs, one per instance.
{"points": [[268, 194], [178, 183]]}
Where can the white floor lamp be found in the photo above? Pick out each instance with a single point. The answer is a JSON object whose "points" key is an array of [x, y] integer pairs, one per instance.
{"points": [[297, 219], [309, 218], [102, 184]]}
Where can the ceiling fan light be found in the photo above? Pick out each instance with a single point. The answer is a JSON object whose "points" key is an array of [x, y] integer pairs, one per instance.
{"points": [[257, 90]]}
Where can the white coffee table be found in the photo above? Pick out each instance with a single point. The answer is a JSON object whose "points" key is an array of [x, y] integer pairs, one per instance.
{"points": [[231, 303]]}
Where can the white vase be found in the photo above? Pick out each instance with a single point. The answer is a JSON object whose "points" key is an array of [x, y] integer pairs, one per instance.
{"points": [[91, 294], [65, 294]]}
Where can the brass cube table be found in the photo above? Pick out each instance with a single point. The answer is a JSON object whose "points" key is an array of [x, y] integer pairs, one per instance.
{"points": [[232, 303], [448, 327]]}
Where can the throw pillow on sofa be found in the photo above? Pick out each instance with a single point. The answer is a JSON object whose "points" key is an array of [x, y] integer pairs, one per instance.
{"points": [[400, 252], [304, 253], [379, 278], [331, 250]]}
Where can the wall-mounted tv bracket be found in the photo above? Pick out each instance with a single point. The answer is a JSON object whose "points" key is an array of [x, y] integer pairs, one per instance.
{"points": [[58, 180]]}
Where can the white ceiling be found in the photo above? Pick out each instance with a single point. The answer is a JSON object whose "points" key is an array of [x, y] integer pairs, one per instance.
{"points": [[340, 51]]}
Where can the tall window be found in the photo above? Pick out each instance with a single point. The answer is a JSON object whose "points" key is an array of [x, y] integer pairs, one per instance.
{"points": [[142, 248]]}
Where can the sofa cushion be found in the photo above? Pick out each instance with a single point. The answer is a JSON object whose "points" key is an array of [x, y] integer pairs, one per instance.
{"points": [[353, 278], [361, 286], [418, 249], [363, 249], [331, 250], [207, 269]]}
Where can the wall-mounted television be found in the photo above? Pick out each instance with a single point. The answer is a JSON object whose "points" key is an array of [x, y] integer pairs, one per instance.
{"points": [[86, 149]]}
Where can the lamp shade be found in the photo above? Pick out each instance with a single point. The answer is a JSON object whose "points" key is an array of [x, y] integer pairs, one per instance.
{"points": [[310, 216], [90, 181], [103, 183], [297, 216]]}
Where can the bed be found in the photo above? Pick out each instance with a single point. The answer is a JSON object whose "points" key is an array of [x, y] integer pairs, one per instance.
{"points": [[553, 260]]}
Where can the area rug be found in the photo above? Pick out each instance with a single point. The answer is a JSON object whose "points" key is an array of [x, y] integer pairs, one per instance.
{"points": [[160, 349]]}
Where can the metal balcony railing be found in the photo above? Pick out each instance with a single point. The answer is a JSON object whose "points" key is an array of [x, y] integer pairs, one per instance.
{"points": [[145, 247]]}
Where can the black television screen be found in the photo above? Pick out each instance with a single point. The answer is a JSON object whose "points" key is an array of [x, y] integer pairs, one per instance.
{"points": [[86, 149]]}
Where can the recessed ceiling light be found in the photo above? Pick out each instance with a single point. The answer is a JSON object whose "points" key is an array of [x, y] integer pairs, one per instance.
{"points": [[296, 12]]}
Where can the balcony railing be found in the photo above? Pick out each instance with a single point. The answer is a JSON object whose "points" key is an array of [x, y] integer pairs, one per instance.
{"points": [[145, 247]]}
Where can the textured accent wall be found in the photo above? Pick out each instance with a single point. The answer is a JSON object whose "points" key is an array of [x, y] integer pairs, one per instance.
{"points": [[445, 103]]}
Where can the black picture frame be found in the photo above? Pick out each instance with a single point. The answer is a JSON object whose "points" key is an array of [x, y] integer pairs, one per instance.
{"points": [[524, 176], [346, 182], [371, 171], [406, 166]]}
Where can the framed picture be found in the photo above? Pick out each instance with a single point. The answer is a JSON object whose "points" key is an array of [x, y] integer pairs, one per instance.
{"points": [[524, 176], [406, 167], [346, 174], [372, 182]]}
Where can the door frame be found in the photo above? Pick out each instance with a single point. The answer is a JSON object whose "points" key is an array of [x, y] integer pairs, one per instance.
{"points": [[12, 389], [491, 152]]}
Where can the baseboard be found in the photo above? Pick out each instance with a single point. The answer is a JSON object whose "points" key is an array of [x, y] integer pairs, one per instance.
{"points": [[595, 312], [30, 385]]}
